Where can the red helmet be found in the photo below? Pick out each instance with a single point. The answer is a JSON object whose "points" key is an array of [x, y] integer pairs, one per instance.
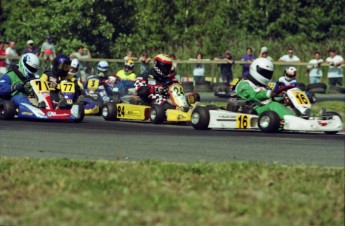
{"points": [[291, 72], [162, 64]]}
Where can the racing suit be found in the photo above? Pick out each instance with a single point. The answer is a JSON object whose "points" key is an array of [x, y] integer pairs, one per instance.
{"points": [[8, 83], [248, 91], [150, 88], [55, 85], [282, 82], [126, 81]]}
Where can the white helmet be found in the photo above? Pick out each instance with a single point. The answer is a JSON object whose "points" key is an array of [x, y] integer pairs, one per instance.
{"points": [[74, 67], [103, 66], [290, 73], [261, 71], [29, 65]]}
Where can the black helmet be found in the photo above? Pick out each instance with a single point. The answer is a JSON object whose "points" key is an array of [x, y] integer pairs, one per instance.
{"points": [[61, 65], [162, 65]]}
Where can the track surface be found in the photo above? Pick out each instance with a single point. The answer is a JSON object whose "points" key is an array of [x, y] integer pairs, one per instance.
{"points": [[96, 139]]}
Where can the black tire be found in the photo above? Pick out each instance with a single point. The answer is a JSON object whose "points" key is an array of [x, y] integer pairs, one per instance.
{"points": [[82, 113], [109, 112], [116, 97], [187, 86], [100, 104], [333, 113], [336, 89], [157, 114], [312, 97], [317, 88], [200, 118], [7, 110], [301, 86], [269, 122]]}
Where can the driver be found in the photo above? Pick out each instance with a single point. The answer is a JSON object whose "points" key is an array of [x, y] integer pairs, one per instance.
{"points": [[127, 78], [254, 88], [288, 79], [150, 87], [13, 84]]}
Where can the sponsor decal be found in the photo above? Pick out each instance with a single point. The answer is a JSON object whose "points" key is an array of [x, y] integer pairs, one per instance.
{"points": [[134, 113], [27, 113], [179, 117], [322, 123]]}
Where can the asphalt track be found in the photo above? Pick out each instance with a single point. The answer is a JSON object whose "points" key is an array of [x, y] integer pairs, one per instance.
{"points": [[97, 139]]}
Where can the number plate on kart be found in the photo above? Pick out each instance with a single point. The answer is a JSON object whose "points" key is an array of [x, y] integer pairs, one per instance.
{"points": [[40, 85], [301, 97], [93, 84], [67, 87], [242, 121]]}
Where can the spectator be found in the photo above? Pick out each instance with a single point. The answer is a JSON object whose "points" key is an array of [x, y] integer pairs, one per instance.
{"points": [[248, 57], [226, 68], [145, 64], [11, 52], [264, 53], [48, 51], [199, 70], [3, 68], [82, 54], [31, 48], [130, 56], [289, 57], [314, 69], [335, 72]]}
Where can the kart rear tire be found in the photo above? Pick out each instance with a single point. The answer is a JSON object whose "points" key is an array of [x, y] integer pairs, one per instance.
{"points": [[269, 122], [157, 114], [333, 113], [317, 88], [7, 110], [109, 112], [82, 113], [200, 118]]}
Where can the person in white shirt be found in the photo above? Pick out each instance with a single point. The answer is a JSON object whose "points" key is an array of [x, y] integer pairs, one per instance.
{"points": [[290, 57], [264, 53], [314, 69], [335, 71], [11, 52]]}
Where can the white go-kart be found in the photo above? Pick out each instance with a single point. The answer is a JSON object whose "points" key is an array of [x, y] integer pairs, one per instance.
{"points": [[240, 115]]}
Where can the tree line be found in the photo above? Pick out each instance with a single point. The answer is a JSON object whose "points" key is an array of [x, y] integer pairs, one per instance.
{"points": [[110, 27]]}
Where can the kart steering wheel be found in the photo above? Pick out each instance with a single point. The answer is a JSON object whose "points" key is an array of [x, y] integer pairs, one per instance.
{"points": [[282, 89]]}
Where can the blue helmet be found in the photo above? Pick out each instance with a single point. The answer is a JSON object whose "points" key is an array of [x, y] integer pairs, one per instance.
{"points": [[61, 65]]}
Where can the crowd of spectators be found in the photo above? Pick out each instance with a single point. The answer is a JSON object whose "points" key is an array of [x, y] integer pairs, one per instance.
{"points": [[314, 72]]}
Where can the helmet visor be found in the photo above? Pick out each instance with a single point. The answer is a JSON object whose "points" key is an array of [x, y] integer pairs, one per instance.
{"points": [[166, 68], [265, 73], [64, 67], [30, 68]]}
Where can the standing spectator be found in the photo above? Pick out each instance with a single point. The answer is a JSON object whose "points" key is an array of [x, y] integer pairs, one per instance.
{"points": [[130, 56], [314, 69], [335, 72], [289, 57], [48, 51], [3, 68], [264, 53], [248, 57], [226, 68], [199, 70], [145, 64], [31, 48], [11, 52], [82, 54]]}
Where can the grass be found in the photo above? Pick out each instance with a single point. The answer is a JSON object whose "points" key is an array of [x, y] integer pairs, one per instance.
{"points": [[66, 192]]}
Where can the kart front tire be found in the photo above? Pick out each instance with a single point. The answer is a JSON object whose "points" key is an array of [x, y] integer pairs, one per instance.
{"points": [[82, 113], [109, 112], [200, 118], [269, 122], [157, 114], [7, 110]]}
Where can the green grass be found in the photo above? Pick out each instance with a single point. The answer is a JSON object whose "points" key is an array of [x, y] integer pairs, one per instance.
{"points": [[66, 192]]}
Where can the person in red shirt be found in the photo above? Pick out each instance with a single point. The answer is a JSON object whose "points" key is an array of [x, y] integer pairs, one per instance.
{"points": [[3, 69]]}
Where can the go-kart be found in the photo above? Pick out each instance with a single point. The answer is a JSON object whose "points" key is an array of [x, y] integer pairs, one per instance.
{"points": [[178, 108], [240, 115], [42, 106]]}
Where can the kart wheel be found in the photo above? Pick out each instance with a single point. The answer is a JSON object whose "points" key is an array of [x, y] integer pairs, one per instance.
{"points": [[312, 97], [109, 112], [82, 113], [333, 113], [269, 122], [157, 114], [100, 109], [200, 118], [7, 110], [116, 97]]}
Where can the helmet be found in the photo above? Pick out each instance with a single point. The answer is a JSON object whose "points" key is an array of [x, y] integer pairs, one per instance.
{"points": [[74, 66], [129, 66], [61, 65], [29, 64], [103, 66], [290, 73], [162, 65], [261, 71]]}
